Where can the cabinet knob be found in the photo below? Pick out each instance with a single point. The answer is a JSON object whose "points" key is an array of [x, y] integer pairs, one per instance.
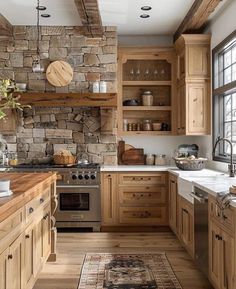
{"points": [[31, 210], [41, 200], [45, 217], [10, 257], [225, 217], [27, 236]]}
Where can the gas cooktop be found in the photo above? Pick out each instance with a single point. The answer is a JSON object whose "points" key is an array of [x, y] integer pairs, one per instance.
{"points": [[54, 166]]}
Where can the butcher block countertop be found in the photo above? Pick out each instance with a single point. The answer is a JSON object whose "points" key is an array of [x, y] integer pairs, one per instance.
{"points": [[25, 186]]}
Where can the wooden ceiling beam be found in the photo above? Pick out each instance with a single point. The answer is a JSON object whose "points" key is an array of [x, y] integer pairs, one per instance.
{"points": [[90, 17], [5, 27], [197, 17]]}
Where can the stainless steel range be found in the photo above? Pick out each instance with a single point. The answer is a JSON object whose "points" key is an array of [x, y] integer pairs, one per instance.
{"points": [[78, 190], [79, 204]]}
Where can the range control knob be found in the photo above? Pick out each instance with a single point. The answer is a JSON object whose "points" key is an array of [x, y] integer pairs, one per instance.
{"points": [[86, 177], [74, 177], [80, 177], [93, 177]]}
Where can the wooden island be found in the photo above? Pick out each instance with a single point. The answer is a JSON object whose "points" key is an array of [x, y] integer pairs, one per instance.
{"points": [[27, 228]]}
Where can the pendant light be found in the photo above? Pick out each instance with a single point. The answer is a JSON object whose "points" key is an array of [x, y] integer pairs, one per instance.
{"points": [[36, 65]]}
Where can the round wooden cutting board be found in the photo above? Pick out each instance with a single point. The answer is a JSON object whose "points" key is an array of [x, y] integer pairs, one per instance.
{"points": [[59, 73]]}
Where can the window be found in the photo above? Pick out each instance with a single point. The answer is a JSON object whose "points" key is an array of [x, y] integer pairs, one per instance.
{"points": [[224, 96]]}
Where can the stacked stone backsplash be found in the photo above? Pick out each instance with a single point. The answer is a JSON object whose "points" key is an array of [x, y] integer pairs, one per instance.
{"points": [[42, 131]]}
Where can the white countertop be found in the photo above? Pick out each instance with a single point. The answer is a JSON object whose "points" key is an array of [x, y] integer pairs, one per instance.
{"points": [[210, 181]]}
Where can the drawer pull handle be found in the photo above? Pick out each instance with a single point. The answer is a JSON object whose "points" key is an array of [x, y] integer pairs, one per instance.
{"points": [[10, 257], [31, 210], [41, 200], [45, 217], [27, 236]]}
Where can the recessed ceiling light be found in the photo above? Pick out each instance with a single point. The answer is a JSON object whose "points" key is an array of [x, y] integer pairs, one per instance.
{"points": [[144, 16], [45, 15], [146, 8], [41, 8]]}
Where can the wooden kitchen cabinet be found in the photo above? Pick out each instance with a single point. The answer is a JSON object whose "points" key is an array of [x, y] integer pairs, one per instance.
{"points": [[135, 199], [186, 225], [46, 232], [29, 256], [222, 258], [109, 202], [193, 84], [173, 203], [3, 269], [147, 69], [15, 264]]}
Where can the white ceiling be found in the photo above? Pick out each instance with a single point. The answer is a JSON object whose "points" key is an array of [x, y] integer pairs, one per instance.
{"points": [[23, 12], [165, 16]]}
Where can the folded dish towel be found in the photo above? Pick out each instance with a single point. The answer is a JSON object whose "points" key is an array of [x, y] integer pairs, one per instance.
{"points": [[223, 200]]}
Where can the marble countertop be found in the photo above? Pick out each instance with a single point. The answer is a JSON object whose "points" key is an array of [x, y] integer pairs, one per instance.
{"points": [[139, 168]]}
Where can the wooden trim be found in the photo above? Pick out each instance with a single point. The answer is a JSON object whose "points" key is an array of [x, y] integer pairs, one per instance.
{"points": [[196, 17], [5, 27], [90, 17], [69, 99], [227, 88], [224, 42]]}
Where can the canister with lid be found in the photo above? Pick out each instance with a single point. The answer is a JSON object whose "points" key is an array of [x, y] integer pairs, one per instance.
{"points": [[147, 98]]}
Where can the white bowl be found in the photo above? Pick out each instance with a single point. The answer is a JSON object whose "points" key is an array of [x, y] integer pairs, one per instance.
{"points": [[4, 185], [21, 86]]}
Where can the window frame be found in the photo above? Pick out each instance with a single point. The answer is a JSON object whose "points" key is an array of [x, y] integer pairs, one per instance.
{"points": [[217, 95]]}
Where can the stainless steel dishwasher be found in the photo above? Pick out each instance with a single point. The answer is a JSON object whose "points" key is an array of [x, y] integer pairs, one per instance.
{"points": [[201, 228]]}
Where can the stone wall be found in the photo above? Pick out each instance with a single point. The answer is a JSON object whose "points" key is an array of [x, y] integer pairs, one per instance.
{"points": [[42, 131]]}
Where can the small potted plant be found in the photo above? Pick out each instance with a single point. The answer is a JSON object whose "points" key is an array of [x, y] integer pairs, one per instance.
{"points": [[8, 97]]}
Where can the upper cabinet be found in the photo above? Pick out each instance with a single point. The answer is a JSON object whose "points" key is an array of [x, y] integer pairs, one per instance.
{"points": [[141, 70], [193, 84], [9, 123]]}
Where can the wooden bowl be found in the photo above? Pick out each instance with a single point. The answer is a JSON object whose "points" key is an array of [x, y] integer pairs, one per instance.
{"points": [[156, 126]]}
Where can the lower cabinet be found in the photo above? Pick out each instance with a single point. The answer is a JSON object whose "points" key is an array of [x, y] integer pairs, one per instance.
{"points": [[134, 199], [12, 265], [186, 225], [222, 258], [173, 203], [24, 256]]}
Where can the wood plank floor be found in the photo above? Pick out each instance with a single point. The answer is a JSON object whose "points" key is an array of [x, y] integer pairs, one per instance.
{"points": [[72, 247]]}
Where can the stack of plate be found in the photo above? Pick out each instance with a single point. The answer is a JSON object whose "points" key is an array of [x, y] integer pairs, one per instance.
{"points": [[5, 188]]}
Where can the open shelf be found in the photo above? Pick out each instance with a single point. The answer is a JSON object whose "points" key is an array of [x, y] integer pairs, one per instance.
{"points": [[142, 107], [152, 132], [146, 83]]}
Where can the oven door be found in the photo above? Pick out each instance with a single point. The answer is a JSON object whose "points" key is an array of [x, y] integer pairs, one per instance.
{"points": [[78, 203]]}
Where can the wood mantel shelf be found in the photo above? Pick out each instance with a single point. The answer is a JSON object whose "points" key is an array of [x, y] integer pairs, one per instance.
{"points": [[69, 99]]}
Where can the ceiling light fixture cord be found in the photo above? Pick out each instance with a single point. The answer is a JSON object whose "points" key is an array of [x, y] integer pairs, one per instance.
{"points": [[38, 30]]}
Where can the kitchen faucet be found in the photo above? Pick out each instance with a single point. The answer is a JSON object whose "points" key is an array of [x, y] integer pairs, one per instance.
{"points": [[231, 166]]}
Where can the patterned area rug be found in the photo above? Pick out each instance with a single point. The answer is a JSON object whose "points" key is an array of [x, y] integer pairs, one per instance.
{"points": [[127, 271]]}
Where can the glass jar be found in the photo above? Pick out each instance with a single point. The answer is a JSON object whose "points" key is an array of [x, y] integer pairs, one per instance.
{"points": [[150, 159], [13, 159], [147, 125], [147, 98], [160, 160]]}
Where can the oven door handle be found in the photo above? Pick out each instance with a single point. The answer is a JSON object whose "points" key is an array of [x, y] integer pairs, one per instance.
{"points": [[199, 199], [77, 187]]}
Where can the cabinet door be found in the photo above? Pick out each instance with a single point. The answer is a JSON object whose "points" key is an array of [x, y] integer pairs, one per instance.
{"points": [[186, 221], [198, 109], [109, 192], [214, 254], [15, 264], [29, 257], [46, 233], [38, 248], [181, 90], [3, 269], [173, 203], [198, 61], [8, 124], [228, 261]]}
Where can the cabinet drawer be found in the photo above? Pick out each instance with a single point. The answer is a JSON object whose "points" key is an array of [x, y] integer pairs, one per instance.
{"points": [[225, 217], [143, 216], [11, 223], [143, 195], [142, 179], [37, 202]]}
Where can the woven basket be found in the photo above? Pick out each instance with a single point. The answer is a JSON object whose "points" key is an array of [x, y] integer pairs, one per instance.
{"points": [[64, 160], [190, 165]]}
